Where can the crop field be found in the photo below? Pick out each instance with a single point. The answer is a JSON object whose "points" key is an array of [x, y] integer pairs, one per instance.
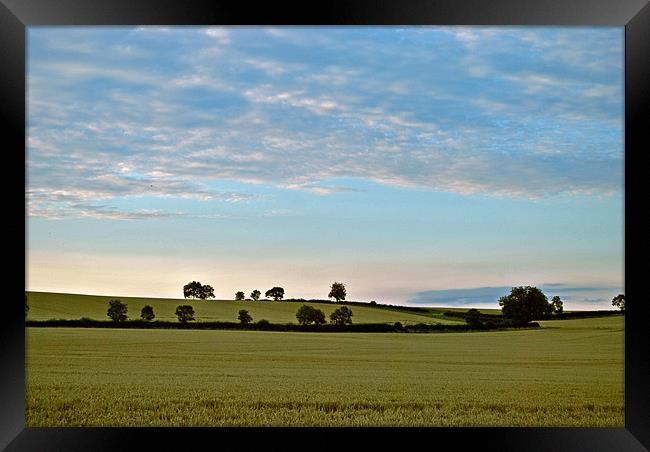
{"points": [[567, 373], [45, 306]]}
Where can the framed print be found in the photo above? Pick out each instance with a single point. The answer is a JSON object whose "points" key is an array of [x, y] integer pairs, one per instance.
{"points": [[388, 222]]}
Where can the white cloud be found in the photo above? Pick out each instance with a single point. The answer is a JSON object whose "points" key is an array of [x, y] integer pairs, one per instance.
{"points": [[338, 111], [221, 35]]}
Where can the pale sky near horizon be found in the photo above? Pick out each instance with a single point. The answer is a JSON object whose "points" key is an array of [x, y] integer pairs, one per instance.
{"points": [[417, 165]]}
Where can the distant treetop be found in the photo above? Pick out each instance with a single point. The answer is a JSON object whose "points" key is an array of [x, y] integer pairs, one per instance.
{"points": [[277, 293], [337, 291], [195, 289]]}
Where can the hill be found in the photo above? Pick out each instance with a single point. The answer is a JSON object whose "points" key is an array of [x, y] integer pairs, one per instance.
{"points": [[48, 305]]}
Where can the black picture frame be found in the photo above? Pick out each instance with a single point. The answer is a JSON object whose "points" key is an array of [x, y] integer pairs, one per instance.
{"points": [[634, 15]]}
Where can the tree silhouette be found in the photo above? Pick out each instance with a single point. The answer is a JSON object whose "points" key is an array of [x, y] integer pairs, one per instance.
{"points": [[195, 289], [341, 316], [619, 301], [147, 313], [116, 310], [255, 295], [557, 307], [244, 317], [524, 304], [337, 292], [239, 296], [185, 313], [308, 314], [277, 293], [192, 289], [206, 292]]}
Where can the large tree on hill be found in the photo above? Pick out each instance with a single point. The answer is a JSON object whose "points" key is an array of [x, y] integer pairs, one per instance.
{"points": [[195, 289], [206, 292], [192, 289], [524, 304], [619, 301], [337, 291], [277, 293], [255, 295], [239, 296]]}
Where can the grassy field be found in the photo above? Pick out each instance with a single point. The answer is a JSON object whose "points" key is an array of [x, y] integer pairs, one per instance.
{"points": [[567, 373], [45, 306]]}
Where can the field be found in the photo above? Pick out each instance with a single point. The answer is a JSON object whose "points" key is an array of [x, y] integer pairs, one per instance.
{"points": [[567, 373], [45, 306]]}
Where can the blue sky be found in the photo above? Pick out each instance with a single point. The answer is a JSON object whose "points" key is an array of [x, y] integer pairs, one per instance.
{"points": [[409, 163]]}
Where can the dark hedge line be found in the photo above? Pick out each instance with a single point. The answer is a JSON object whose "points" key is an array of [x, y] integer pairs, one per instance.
{"points": [[580, 314], [482, 316], [565, 315], [159, 324], [352, 303], [358, 328]]}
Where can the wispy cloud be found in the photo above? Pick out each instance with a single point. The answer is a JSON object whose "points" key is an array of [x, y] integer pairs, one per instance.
{"points": [[509, 112]]}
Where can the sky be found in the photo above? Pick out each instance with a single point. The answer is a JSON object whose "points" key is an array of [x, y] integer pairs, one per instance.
{"points": [[418, 165]]}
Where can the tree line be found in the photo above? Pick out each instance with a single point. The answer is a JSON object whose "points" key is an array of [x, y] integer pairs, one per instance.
{"points": [[196, 290], [306, 315]]}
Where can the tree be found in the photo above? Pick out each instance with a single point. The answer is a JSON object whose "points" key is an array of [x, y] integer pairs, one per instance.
{"points": [[192, 289], [206, 292], [147, 313], [239, 296], [619, 301], [473, 318], [116, 310], [337, 292], [308, 314], [524, 304], [276, 293], [26, 306], [341, 316], [255, 295], [244, 317], [557, 307], [185, 313], [373, 303], [195, 289]]}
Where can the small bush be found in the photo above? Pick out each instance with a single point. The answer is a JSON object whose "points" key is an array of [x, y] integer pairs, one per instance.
{"points": [[263, 323]]}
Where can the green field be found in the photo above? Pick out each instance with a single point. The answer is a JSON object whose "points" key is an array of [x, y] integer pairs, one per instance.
{"points": [[45, 306], [567, 373]]}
